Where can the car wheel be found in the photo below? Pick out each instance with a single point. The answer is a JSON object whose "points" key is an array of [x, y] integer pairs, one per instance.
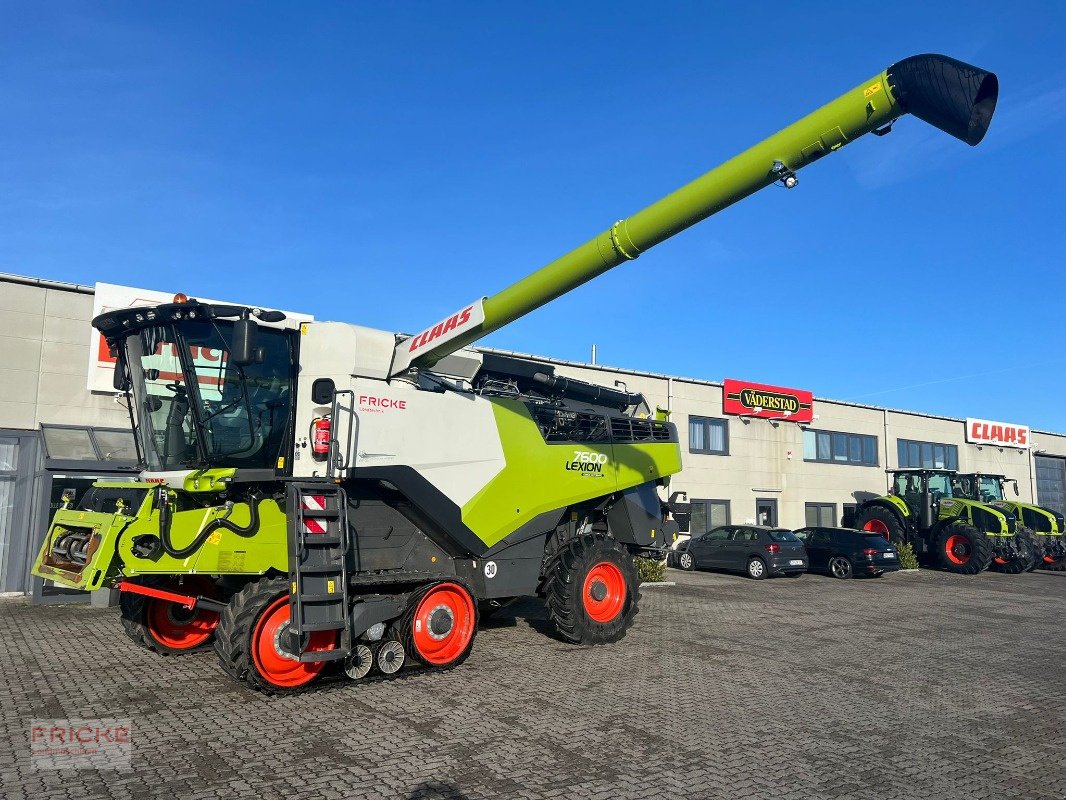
{"points": [[840, 567], [686, 561], [756, 569]]}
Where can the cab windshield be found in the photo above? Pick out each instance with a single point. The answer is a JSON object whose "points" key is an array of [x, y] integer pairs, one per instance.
{"points": [[990, 489], [195, 409]]}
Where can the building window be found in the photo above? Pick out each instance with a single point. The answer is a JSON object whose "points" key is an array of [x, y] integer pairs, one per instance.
{"points": [[830, 447], [707, 514], [706, 435], [848, 514], [820, 515], [927, 455]]}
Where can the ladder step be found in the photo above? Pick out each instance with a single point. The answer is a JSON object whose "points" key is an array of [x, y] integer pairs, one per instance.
{"points": [[324, 626], [308, 513], [321, 539], [321, 598]]}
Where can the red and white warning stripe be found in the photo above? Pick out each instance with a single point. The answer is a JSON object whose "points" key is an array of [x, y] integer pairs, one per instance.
{"points": [[314, 502]]}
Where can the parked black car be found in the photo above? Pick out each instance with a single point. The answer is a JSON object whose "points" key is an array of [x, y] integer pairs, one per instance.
{"points": [[844, 552], [755, 550]]}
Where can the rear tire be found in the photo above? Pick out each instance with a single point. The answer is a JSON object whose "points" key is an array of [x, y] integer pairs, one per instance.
{"points": [[591, 588], [840, 567], [878, 519], [962, 549], [247, 643], [168, 628], [756, 569]]}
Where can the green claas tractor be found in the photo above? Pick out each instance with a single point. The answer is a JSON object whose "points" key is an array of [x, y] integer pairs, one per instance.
{"points": [[323, 493], [957, 534], [1042, 526]]}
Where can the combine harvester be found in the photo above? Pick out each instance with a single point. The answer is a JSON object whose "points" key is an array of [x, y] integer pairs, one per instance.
{"points": [[326, 492]]}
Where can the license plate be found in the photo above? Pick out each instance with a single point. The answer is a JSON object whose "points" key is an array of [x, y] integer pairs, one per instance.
{"points": [[889, 555], [796, 562]]}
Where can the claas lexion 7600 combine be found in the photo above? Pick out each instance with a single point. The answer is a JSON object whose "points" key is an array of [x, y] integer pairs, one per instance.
{"points": [[324, 492]]}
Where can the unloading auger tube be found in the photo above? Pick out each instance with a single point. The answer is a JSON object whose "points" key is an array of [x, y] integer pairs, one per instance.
{"points": [[955, 97]]}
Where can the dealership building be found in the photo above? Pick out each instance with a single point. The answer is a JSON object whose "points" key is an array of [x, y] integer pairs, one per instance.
{"points": [[752, 452]]}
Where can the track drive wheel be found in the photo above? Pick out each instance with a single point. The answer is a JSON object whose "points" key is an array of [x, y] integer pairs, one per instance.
{"points": [[168, 628], [878, 519], [252, 643], [591, 587], [962, 549], [439, 626]]}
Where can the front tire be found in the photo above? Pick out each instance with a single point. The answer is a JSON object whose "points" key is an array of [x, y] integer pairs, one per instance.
{"points": [[686, 561], [962, 549], [1023, 561], [250, 640], [591, 588], [756, 569], [168, 628], [840, 567]]}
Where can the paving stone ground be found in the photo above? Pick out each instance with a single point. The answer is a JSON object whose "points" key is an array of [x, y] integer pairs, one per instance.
{"points": [[916, 685]]}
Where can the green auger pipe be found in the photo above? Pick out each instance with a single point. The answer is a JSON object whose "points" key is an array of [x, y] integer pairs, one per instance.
{"points": [[957, 98]]}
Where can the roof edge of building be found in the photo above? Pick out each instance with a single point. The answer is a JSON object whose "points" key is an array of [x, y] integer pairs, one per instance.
{"points": [[44, 283]]}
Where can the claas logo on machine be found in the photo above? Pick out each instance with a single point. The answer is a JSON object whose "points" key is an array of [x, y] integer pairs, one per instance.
{"points": [[438, 330]]}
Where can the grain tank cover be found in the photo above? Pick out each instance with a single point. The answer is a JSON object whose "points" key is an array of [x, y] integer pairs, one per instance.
{"points": [[955, 97]]}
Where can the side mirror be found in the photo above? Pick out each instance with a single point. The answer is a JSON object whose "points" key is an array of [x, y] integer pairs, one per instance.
{"points": [[322, 391], [119, 379], [243, 351]]}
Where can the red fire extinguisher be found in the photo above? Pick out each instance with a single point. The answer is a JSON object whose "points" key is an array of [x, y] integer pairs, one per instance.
{"points": [[321, 433]]}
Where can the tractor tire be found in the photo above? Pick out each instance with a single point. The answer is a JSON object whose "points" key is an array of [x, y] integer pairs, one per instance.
{"points": [[1024, 561], [878, 519], [168, 628], [248, 649], [592, 590], [1035, 545], [1053, 563], [962, 549], [439, 625]]}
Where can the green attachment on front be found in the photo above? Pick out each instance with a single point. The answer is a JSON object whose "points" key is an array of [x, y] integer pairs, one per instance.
{"points": [[117, 541], [562, 474], [212, 479]]}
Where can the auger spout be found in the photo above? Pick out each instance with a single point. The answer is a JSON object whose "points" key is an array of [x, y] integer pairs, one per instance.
{"points": [[957, 98]]}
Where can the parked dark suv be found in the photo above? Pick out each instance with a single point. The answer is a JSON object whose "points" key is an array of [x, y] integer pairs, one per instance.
{"points": [[755, 550], [844, 552]]}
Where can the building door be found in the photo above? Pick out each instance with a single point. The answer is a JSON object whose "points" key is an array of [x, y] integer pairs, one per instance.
{"points": [[18, 455], [766, 511], [1051, 483]]}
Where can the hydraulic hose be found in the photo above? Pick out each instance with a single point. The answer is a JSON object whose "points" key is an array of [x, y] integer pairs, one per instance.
{"points": [[218, 522]]}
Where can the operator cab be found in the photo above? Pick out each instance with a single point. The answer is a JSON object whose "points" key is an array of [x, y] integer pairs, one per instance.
{"points": [[912, 484], [206, 390]]}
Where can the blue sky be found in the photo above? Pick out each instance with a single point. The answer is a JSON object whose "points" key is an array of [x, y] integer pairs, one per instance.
{"points": [[385, 163]]}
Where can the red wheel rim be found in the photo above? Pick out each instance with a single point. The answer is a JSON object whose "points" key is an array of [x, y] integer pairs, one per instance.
{"points": [[174, 626], [604, 592], [957, 549], [443, 624], [876, 526], [1000, 560], [276, 666]]}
